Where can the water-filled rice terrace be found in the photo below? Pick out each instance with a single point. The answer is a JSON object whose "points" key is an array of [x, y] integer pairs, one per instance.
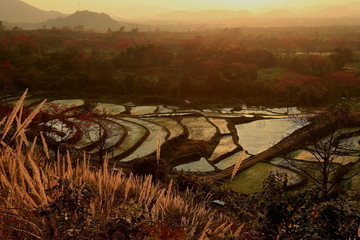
{"points": [[198, 140]]}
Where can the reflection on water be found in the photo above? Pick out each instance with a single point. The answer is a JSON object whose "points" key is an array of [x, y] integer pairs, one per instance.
{"points": [[258, 136]]}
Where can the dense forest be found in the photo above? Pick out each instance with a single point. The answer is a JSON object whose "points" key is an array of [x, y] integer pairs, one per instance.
{"points": [[294, 65]]}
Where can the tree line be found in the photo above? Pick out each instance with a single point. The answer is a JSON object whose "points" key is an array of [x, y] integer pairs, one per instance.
{"points": [[196, 65]]}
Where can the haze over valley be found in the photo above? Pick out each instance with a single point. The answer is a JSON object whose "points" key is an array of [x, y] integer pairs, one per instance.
{"points": [[27, 16]]}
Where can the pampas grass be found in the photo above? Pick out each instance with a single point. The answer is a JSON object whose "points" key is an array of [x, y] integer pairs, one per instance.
{"points": [[30, 184], [11, 117], [237, 165], [26, 180], [45, 147], [158, 149]]}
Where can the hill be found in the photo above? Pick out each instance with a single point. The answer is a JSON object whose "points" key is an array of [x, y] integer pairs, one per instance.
{"points": [[16, 11], [99, 22], [203, 15], [336, 12], [279, 13]]}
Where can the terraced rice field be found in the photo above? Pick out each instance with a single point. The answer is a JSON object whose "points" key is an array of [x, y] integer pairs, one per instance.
{"points": [[352, 143], [348, 150], [226, 110], [163, 109], [225, 146], [69, 102], [199, 128], [260, 135], [352, 185], [313, 157], [231, 160], [251, 179], [92, 135], [199, 166], [142, 110], [142, 134], [109, 108], [173, 126], [135, 133], [150, 144], [311, 167], [60, 130], [114, 131], [222, 124], [255, 112], [285, 111]]}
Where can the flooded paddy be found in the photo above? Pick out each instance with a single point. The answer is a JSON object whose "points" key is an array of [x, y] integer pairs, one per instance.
{"points": [[231, 160], [222, 124], [171, 125], [150, 144], [69, 102], [260, 135], [251, 179], [109, 108], [222, 132], [142, 110], [199, 128], [135, 133], [225, 146], [199, 166]]}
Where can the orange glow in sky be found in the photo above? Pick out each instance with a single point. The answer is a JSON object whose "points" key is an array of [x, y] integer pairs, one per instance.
{"points": [[156, 6]]}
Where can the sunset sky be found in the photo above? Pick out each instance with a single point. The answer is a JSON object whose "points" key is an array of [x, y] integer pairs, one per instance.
{"points": [[156, 6]]}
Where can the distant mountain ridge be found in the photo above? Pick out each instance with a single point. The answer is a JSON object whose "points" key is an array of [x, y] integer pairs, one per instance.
{"points": [[99, 22], [279, 13], [16, 11], [212, 14], [351, 10], [336, 12]]}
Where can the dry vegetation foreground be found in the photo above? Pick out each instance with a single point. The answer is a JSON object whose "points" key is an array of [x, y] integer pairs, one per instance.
{"points": [[67, 199]]}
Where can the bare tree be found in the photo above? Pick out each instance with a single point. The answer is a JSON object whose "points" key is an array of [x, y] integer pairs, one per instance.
{"points": [[101, 131], [328, 149], [56, 125]]}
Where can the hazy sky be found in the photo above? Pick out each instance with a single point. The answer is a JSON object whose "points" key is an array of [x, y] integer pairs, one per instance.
{"points": [[155, 6]]}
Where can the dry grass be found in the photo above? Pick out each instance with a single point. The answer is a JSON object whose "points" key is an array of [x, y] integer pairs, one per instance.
{"points": [[238, 164], [26, 181], [158, 148]]}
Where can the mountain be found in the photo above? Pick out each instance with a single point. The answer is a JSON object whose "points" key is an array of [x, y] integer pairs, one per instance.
{"points": [[202, 15], [99, 22], [138, 11], [335, 12], [278, 13], [312, 9], [16, 11], [354, 6]]}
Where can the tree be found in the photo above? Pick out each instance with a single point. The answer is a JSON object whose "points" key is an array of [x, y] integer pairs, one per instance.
{"points": [[56, 126], [328, 149], [7, 73], [79, 28], [281, 214], [340, 57], [312, 65], [102, 132], [2, 26]]}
